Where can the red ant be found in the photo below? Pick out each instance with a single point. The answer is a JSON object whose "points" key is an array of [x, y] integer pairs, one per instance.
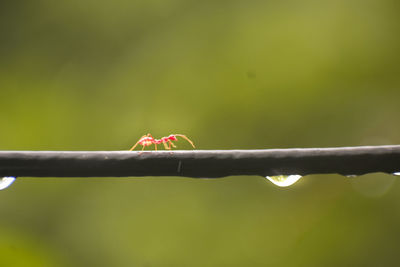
{"points": [[148, 140]]}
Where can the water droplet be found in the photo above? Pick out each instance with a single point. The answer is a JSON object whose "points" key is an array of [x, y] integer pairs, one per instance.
{"points": [[351, 175], [396, 173], [6, 182], [284, 180]]}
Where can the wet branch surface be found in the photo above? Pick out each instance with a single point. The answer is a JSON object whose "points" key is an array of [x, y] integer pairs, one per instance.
{"points": [[201, 163]]}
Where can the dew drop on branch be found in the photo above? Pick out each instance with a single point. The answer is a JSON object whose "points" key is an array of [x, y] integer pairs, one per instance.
{"points": [[6, 182], [284, 180]]}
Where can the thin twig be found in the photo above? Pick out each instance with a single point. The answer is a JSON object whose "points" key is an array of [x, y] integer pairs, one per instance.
{"points": [[201, 163]]}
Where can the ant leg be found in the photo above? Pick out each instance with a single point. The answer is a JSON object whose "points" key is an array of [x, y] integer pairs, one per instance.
{"points": [[134, 146], [187, 139], [141, 151], [137, 143], [165, 145], [171, 144]]}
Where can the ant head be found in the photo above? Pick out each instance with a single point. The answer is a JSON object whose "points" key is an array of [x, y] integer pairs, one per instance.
{"points": [[172, 137]]}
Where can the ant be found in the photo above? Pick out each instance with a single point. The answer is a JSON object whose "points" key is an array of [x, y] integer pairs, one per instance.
{"points": [[148, 140]]}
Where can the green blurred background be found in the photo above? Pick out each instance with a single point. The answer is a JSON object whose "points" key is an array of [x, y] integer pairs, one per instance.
{"points": [[97, 75]]}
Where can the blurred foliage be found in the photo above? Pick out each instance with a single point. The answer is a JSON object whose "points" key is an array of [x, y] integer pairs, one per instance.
{"points": [[96, 75]]}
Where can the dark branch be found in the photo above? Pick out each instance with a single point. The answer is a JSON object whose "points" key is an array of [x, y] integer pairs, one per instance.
{"points": [[201, 163]]}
